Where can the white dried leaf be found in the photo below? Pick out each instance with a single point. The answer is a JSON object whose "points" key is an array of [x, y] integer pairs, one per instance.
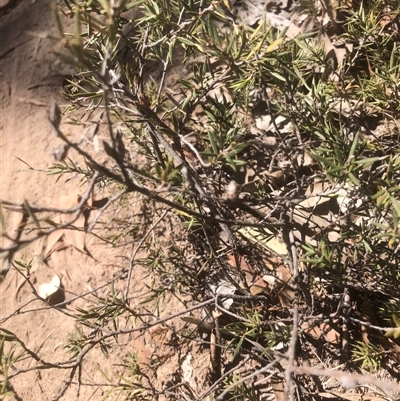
{"points": [[345, 199], [270, 279], [96, 144], [263, 122], [334, 236], [224, 287], [48, 289], [187, 369], [232, 190]]}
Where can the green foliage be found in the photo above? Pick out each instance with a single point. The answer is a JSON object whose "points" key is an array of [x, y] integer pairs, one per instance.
{"points": [[10, 353], [368, 354], [195, 130], [391, 314]]}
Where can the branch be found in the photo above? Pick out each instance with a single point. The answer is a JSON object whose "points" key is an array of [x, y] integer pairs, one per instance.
{"points": [[77, 212]]}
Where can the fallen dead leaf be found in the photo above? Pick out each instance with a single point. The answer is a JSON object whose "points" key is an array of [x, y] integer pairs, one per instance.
{"points": [[161, 334], [278, 387], [51, 242], [249, 271], [75, 236], [284, 279], [279, 281], [259, 287], [305, 159], [315, 194], [144, 353], [334, 236], [323, 330]]}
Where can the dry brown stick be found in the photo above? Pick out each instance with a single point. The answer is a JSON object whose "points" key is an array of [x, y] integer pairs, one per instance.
{"points": [[369, 325], [347, 380], [346, 308], [77, 211], [215, 350], [66, 383], [288, 392]]}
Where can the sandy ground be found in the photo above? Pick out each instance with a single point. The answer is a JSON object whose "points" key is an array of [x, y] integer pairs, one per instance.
{"points": [[27, 144]]}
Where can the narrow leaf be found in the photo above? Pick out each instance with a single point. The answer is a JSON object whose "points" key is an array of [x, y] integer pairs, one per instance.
{"points": [[276, 43]]}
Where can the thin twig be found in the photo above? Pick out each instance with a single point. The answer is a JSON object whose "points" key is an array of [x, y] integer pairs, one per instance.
{"points": [[161, 85], [345, 329], [60, 306], [77, 212], [347, 380], [369, 325], [226, 374], [101, 211], [66, 383], [222, 309], [195, 151], [247, 378], [288, 392], [78, 360], [139, 245]]}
